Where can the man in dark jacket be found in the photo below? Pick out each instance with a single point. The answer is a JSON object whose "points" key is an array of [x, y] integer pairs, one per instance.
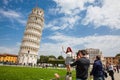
{"points": [[97, 70], [82, 64]]}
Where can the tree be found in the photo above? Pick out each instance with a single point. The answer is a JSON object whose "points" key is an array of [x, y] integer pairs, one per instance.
{"points": [[43, 59], [52, 57], [38, 61], [61, 57], [118, 56]]}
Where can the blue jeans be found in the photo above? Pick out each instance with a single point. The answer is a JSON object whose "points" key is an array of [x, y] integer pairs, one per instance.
{"points": [[97, 78], [81, 79]]}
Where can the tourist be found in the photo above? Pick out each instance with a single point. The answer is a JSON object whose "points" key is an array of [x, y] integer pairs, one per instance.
{"points": [[117, 67], [97, 70], [110, 71], [68, 60], [82, 65]]}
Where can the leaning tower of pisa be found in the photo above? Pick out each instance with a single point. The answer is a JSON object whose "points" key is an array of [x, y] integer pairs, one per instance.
{"points": [[31, 40]]}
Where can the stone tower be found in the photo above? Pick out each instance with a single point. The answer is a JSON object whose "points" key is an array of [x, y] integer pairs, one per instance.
{"points": [[31, 41]]}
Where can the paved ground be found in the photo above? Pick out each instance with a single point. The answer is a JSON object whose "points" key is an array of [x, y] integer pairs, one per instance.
{"points": [[116, 75]]}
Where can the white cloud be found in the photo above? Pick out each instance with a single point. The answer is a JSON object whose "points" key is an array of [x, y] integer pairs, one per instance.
{"points": [[5, 2], [18, 44], [91, 1], [103, 13], [14, 49], [67, 6], [108, 44], [70, 17], [107, 15], [13, 16], [10, 50], [10, 13], [50, 49], [63, 23]]}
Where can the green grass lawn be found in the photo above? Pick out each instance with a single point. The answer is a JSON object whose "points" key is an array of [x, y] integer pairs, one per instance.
{"points": [[29, 73]]}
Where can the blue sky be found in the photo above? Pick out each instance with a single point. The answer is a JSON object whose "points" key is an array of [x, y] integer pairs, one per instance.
{"points": [[79, 24]]}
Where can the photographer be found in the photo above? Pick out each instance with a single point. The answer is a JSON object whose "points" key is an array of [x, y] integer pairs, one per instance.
{"points": [[82, 64]]}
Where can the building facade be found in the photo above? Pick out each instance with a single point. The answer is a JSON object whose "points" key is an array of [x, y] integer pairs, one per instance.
{"points": [[8, 58], [31, 41], [93, 53], [113, 60]]}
